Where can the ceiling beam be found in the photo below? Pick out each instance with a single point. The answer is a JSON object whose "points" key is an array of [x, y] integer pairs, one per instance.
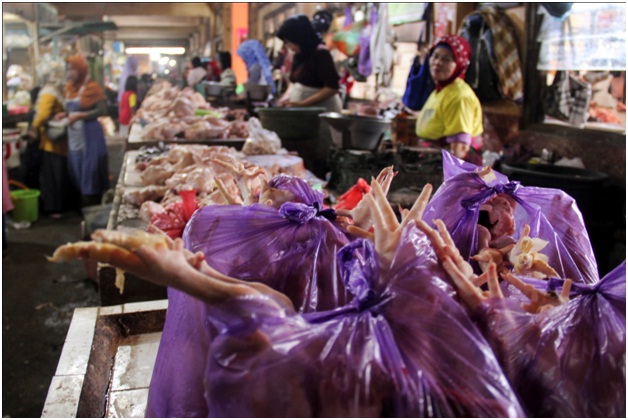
{"points": [[155, 21], [76, 10], [153, 33], [185, 43]]}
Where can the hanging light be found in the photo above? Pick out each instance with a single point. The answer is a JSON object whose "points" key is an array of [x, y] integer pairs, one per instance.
{"points": [[155, 50]]}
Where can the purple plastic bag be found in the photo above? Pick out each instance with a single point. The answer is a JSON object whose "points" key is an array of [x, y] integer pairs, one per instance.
{"points": [[292, 249], [402, 347], [551, 213], [569, 361]]}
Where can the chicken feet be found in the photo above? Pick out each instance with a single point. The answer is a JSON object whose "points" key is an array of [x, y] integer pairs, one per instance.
{"points": [[388, 229], [467, 282], [361, 214], [165, 262]]}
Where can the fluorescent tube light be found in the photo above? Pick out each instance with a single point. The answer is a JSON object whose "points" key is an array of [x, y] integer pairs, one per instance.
{"points": [[155, 50]]}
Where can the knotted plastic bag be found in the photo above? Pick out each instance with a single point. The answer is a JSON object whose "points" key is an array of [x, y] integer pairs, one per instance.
{"points": [[569, 361], [352, 197], [260, 141], [551, 213], [402, 347], [291, 249]]}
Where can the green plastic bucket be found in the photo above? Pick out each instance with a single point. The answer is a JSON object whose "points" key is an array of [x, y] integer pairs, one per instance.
{"points": [[25, 205]]}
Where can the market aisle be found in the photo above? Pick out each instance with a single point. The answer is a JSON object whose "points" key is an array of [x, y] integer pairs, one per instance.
{"points": [[38, 299]]}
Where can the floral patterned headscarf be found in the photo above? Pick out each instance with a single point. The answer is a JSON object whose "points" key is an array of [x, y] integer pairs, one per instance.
{"points": [[462, 54]]}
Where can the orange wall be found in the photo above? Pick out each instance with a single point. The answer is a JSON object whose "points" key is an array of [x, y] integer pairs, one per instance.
{"points": [[239, 33]]}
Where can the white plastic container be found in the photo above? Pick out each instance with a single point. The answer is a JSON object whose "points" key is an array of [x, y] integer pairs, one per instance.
{"points": [[12, 145]]}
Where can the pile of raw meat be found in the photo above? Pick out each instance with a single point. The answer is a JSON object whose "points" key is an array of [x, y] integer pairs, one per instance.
{"points": [[168, 112], [215, 175], [481, 301]]}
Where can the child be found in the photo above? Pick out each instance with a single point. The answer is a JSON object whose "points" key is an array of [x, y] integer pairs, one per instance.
{"points": [[127, 105]]}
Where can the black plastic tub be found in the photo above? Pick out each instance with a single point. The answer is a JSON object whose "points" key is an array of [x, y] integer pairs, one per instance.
{"points": [[291, 123], [601, 206], [583, 185]]}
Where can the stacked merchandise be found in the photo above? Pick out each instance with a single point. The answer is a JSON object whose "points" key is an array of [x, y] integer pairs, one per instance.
{"points": [[169, 112]]}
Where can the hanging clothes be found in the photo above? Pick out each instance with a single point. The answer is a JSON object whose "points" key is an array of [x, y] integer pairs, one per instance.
{"points": [[568, 99], [382, 52], [365, 66], [506, 63]]}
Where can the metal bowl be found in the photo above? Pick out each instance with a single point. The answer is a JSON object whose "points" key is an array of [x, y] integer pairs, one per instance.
{"points": [[218, 89], [355, 132]]}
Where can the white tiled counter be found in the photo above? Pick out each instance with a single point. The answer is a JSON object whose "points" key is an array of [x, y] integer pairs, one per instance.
{"points": [[107, 361]]}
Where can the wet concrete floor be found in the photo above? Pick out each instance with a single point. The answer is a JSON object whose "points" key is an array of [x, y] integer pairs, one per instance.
{"points": [[38, 300]]}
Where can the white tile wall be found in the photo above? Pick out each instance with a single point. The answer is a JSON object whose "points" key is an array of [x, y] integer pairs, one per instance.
{"points": [[134, 361], [63, 396], [127, 404], [132, 369], [152, 305]]}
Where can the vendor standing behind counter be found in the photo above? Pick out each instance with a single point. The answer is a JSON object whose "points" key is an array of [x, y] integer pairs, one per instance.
{"points": [[452, 115], [314, 79]]}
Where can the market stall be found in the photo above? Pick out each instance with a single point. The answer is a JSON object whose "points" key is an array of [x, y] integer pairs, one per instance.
{"points": [[413, 277], [335, 266]]}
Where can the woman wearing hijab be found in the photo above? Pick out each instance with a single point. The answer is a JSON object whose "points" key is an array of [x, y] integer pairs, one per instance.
{"points": [[227, 76], [314, 79], [130, 69], [197, 73], [452, 114], [85, 101], [54, 177], [257, 63]]}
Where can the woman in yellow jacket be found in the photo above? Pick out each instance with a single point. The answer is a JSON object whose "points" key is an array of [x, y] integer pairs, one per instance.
{"points": [[54, 178], [452, 115]]}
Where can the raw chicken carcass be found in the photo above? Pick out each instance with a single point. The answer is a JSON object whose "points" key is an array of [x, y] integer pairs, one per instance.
{"points": [[157, 174], [149, 193], [203, 130], [183, 107], [200, 179], [148, 209]]}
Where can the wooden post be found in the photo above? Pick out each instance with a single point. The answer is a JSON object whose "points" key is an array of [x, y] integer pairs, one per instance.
{"points": [[533, 82]]}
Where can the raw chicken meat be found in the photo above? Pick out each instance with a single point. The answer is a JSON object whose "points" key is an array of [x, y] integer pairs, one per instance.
{"points": [[149, 193]]}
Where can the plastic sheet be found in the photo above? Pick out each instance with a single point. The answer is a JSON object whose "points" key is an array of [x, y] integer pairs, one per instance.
{"points": [[175, 215], [402, 347], [551, 213], [352, 197], [569, 361]]}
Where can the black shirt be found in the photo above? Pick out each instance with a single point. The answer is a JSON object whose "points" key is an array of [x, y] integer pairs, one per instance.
{"points": [[317, 71]]}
